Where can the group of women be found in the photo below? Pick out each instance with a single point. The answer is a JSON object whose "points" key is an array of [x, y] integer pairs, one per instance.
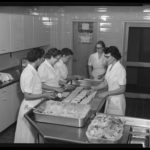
{"points": [[48, 72], [43, 74]]}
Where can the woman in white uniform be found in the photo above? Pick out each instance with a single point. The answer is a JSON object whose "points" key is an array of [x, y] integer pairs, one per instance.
{"points": [[61, 65], [115, 80], [96, 63], [47, 72], [32, 88]]}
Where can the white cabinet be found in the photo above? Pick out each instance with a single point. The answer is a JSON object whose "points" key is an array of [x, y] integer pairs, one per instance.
{"points": [[4, 33], [28, 31], [41, 32], [10, 100], [6, 111], [17, 99], [17, 32]]}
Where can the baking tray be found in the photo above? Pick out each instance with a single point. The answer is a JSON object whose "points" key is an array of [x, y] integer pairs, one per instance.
{"points": [[46, 118]]}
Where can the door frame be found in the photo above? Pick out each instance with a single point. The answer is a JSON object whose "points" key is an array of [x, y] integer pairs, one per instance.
{"points": [[83, 20], [126, 63]]}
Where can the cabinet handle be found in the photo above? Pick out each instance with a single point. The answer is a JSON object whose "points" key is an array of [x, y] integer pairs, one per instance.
{"points": [[3, 50]]}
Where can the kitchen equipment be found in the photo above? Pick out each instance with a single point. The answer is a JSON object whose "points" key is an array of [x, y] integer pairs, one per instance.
{"points": [[62, 113]]}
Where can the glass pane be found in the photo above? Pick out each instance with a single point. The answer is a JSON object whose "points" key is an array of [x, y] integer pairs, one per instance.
{"points": [[139, 44], [138, 80]]}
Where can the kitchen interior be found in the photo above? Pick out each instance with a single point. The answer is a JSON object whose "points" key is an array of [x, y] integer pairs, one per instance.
{"points": [[25, 27]]}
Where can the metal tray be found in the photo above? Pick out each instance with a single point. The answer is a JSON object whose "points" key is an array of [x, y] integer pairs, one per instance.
{"points": [[88, 82], [60, 119]]}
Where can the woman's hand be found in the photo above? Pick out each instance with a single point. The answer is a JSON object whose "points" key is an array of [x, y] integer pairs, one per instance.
{"points": [[59, 90], [103, 94], [49, 95]]}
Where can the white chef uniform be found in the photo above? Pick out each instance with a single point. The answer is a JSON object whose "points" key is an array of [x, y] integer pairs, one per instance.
{"points": [[48, 74], [98, 64], [115, 76], [61, 69], [30, 83]]}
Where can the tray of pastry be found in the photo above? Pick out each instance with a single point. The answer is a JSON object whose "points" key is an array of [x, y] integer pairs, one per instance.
{"points": [[62, 113], [105, 129]]}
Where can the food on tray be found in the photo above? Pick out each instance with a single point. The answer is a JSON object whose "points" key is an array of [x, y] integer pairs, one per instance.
{"points": [[64, 109], [105, 128], [73, 94]]}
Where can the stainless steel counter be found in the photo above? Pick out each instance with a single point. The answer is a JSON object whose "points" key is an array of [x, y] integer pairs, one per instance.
{"points": [[61, 132]]}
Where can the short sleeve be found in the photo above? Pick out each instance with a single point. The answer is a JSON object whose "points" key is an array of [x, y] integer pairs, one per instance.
{"points": [[42, 73], [122, 77], [26, 83]]}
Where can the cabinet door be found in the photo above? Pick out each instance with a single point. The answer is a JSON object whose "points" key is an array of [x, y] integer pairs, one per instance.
{"points": [[6, 111], [41, 32], [4, 33], [28, 31], [17, 98], [17, 32], [37, 31]]}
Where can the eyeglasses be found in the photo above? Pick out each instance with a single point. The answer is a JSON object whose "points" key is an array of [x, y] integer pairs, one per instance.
{"points": [[99, 47], [107, 56]]}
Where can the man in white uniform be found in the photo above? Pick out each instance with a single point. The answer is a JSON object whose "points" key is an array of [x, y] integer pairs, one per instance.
{"points": [[96, 63], [115, 80], [32, 88]]}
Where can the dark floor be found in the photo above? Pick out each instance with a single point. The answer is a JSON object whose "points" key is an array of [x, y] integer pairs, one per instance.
{"points": [[7, 136], [135, 108]]}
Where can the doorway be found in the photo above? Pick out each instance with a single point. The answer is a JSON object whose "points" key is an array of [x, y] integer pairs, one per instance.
{"points": [[84, 40], [137, 59]]}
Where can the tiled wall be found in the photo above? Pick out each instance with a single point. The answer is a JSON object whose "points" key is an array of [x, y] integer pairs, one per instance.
{"points": [[110, 20]]}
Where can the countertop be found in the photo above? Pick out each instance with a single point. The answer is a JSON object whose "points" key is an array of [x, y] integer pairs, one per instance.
{"points": [[62, 132]]}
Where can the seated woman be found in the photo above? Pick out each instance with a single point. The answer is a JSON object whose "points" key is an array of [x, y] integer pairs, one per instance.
{"points": [[47, 73], [115, 81], [31, 87]]}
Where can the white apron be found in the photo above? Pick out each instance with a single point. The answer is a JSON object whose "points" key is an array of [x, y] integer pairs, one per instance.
{"points": [[98, 65], [116, 76], [29, 82]]}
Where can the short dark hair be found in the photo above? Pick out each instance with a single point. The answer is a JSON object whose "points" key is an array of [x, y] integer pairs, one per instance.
{"points": [[35, 54], [52, 52], [114, 51], [66, 52]]}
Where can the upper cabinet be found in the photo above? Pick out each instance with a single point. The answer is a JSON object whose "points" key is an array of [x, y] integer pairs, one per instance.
{"points": [[28, 31], [4, 33], [17, 32], [41, 32]]}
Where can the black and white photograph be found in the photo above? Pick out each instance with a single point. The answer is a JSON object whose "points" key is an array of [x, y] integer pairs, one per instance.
{"points": [[75, 74]]}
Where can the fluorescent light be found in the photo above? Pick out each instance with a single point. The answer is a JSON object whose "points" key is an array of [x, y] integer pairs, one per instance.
{"points": [[105, 24], [104, 29], [45, 18], [104, 17], [102, 10]]}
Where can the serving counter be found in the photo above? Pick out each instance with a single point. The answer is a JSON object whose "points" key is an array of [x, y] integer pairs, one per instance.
{"points": [[57, 133]]}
